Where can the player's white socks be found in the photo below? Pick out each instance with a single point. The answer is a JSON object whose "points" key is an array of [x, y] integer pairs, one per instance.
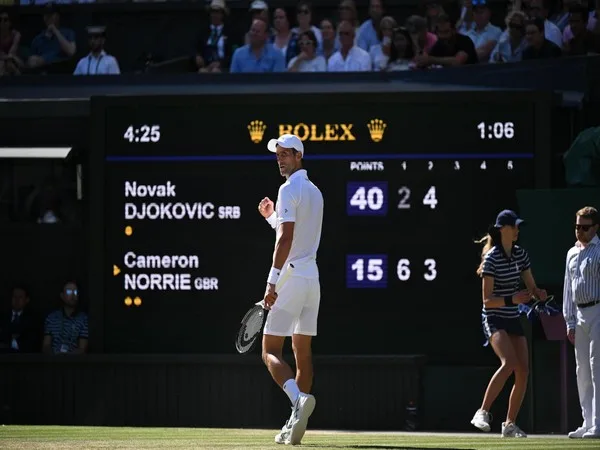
{"points": [[291, 389]]}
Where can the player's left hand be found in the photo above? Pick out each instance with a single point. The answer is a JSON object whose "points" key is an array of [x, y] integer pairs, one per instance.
{"points": [[540, 294], [270, 295]]}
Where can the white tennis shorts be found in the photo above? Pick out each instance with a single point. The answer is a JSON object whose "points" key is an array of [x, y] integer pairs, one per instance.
{"points": [[297, 308]]}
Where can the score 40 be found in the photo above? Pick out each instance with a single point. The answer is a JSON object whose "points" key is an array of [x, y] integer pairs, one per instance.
{"points": [[371, 198]]}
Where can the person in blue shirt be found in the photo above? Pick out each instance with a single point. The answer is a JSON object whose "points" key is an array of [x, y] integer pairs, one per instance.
{"points": [[258, 55], [53, 44]]}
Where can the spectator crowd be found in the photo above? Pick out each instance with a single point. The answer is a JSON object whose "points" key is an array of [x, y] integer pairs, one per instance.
{"points": [[280, 41]]}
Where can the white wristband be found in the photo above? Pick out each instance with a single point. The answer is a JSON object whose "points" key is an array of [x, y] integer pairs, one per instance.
{"points": [[272, 219], [273, 275]]}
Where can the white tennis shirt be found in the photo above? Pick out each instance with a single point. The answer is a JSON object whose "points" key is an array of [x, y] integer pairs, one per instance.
{"points": [[301, 202]]}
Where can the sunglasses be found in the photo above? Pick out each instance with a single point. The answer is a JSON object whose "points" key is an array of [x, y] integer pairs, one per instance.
{"points": [[71, 291], [583, 227], [303, 11], [305, 42]]}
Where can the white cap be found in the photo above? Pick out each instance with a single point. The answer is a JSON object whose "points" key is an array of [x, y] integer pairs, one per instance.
{"points": [[286, 141], [258, 5]]}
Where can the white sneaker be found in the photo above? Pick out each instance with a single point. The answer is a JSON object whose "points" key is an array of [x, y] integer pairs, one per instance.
{"points": [[511, 430], [592, 433], [303, 408], [481, 420], [285, 431], [578, 433]]}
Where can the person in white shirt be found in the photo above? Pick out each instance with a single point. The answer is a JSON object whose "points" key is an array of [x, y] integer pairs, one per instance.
{"points": [[98, 62], [307, 60], [350, 57], [539, 8], [581, 310], [293, 291]]}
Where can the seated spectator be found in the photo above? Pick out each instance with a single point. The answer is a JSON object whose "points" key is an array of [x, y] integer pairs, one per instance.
{"points": [[215, 44], [402, 52], [539, 46], [10, 39], [593, 24], [284, 39], [66, 329], [98, 62], [422, 39], [259, 9], [304, 19], [583, 42], [561, 17], [369, 33], [55, 43], [308, 60], [539, 9], [512, 42], [349, 58], [451, 48], [483, 34], [347, 13], [433, 10], [259, 55], [380, 53], [330, 44], [20, 329]]}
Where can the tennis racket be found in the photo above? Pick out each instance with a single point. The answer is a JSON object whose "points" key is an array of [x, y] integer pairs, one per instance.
{"points": [[252, 325]]}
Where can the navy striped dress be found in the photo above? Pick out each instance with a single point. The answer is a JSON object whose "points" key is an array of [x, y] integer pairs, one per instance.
{"points": [[507, 278]]}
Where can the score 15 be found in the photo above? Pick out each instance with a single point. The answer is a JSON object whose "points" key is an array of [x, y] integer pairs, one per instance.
{"points": [[370, 198], [371, 271]]}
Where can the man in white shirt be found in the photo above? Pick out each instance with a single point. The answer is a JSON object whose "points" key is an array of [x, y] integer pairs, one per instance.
{"points": [[539, 8], [293, 291], [581, 309], [350, 57], [98, 62]]}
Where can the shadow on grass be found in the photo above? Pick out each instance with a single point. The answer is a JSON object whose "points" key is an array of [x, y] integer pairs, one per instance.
{"points": [[377, 446]]}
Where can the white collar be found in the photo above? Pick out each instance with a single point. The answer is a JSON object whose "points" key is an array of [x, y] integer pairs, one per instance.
{"points": [[297, 173], [594, 241]]}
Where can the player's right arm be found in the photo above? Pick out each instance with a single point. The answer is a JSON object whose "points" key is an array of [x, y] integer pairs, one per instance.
{"points": [[266, 208]]}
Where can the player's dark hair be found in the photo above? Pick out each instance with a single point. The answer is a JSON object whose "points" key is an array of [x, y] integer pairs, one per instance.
{"points": [[491, 239]]}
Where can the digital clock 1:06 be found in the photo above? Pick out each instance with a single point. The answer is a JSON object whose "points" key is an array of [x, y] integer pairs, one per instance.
{"points": [[143, 133], [496, 130]]}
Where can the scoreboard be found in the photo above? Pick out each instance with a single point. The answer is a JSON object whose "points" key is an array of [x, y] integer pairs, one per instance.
{"points": [[408, 180]]}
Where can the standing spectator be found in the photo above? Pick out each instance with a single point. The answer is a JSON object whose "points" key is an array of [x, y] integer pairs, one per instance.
{"points": [[512, 42], [483, 34], [259, 55], [423, 40], [451, 48], [539, 46], [539, 9], [97, 62], [380, 53], [10, 39], [330, 44], [349, 58], [581, 309], [304, 18], [66, 329], [55, 43], [369, 33], [583, 42], [308, 60], [20, 329], [215, 44]]}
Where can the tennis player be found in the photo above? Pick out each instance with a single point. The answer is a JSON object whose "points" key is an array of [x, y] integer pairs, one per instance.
{"points": [[503, 266], [293, 292]]}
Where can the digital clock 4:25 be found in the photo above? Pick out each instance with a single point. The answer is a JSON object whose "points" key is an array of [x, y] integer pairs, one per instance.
{"points": [[143, 133]]}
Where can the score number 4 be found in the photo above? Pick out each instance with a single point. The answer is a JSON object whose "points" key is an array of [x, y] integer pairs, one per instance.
{"points": [[370, 198], [371, 270]]}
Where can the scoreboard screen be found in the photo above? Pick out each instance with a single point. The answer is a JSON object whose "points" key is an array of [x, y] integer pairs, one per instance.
{"points": [[408, 183]]}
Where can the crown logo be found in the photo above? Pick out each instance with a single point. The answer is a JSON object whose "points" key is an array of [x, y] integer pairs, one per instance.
{"points": [[257, 128], [376, 129]]}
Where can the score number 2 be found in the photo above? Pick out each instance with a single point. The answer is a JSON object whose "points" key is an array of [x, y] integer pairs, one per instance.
{"points": [[371, 198], [370, 271]]}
